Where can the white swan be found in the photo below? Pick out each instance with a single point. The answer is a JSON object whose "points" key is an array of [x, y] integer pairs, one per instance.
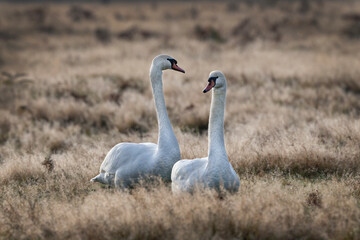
{"points": [[214, 171], [126, 163]]}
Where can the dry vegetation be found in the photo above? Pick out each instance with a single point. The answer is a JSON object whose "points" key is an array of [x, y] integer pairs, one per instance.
{"points": [[74, 82]]}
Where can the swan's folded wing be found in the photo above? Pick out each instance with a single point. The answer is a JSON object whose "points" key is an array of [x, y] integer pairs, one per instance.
{"points": [[185, 169], [186, 174], [125, 154]]}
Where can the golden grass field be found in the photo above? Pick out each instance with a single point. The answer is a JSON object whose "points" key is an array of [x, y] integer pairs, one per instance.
{"points": [[74, 82]]}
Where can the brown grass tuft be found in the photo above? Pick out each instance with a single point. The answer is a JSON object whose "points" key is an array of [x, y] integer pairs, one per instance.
{"points": [[48, 163], [5, 127], [314, 199]]}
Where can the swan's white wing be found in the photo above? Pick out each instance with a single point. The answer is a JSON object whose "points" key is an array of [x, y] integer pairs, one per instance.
{"points": [[133, 159], [124, 154], [183, 169], [187, 174]]}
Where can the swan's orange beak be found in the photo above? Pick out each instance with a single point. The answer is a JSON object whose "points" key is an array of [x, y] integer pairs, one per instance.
{"points": [[177, 68], [210, 85]]}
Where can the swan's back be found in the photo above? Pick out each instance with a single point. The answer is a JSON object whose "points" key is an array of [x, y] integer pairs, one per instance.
{"points": [[126, 155], [185, 169], [186, 174], [127, 162]]}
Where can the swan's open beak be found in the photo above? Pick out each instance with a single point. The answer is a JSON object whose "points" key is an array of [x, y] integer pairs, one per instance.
{"points": [[177, 68], [210, 85]]}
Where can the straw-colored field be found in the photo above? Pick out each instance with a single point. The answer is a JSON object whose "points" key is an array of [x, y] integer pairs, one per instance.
{"points": [[74, 82]]}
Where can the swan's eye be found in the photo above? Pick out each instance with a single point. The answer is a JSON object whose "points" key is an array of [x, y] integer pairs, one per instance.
{"points": [[212, 79], [172, 61]]}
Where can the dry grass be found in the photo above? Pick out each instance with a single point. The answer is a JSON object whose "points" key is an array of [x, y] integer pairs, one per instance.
{"points": [[74, 82]]}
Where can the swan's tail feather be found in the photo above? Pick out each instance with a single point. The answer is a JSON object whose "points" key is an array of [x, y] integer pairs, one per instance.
{"points": [[98, 178]]}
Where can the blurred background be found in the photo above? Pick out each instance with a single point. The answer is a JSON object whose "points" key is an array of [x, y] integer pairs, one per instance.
{"points": [[82, 67]]}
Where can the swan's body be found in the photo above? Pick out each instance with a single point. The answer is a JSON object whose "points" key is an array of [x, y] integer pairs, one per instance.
{"points": [[214, 171], [126, 163]]}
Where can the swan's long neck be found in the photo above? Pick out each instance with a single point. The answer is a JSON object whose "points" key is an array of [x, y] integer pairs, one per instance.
{"points": [[217, 151], [167, 137]]}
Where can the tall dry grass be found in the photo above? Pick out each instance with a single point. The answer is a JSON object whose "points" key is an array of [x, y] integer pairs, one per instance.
{"points": [[74, 82]]}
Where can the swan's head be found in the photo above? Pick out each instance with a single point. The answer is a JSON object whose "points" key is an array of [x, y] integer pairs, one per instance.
{"points": [[216, 80], [166, 62]]}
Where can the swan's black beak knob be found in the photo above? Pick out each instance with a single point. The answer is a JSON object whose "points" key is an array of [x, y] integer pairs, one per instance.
{"points": [[174, 65], [211, 84]]}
